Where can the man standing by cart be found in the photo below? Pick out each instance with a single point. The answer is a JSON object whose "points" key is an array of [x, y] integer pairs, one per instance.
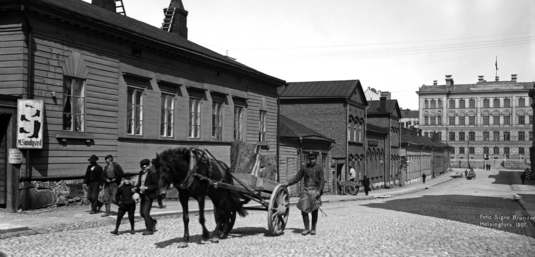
{"points": [[310, 199], [113, 173]]}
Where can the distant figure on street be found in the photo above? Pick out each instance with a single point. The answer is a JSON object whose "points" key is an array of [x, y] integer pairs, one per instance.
{"points": [[310, 198], [148, 188], [423, 178], [524, 175], [127, 204], [352, 174], [366, 184], [92, 183], [465, 173], [112, 176]]}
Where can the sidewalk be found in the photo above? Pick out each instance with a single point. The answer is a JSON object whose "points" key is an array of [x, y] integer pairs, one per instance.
{"points": [[78, 217]]}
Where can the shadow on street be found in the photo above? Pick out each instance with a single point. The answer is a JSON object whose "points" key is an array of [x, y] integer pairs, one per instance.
{"points": [[491, 212], [509, 178]]}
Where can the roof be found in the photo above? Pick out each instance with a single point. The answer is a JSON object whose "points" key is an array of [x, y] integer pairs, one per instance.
{"points": [[93, 14], [410, 113], [376, 129], [377, 108], [480, 87], [409, 136], [292, 129]]}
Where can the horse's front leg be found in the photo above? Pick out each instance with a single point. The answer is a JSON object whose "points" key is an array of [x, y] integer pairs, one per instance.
{"points": [[202, 220], [183, 198]]}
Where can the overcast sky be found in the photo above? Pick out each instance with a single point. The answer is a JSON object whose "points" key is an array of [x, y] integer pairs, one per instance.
{"points": [[391, 45]]}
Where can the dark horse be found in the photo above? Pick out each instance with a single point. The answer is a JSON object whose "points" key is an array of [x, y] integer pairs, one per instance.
{"points": [[192, 172]]}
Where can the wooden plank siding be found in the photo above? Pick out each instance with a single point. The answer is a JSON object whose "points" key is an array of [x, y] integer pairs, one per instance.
{"points": [[12, 58]]}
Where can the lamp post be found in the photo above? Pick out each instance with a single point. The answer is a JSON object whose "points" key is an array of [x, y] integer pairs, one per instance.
{"points": [[532, 148]]}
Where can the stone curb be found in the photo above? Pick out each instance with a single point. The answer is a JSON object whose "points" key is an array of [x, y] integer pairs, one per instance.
{"points": [[22, 231]]}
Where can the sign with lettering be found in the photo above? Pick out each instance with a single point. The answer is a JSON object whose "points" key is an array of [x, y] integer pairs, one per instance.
{"points": [[30, 124], [14, 156]]}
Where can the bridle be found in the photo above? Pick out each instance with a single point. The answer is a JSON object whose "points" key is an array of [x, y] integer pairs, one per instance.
{"points": [[196, 156]]}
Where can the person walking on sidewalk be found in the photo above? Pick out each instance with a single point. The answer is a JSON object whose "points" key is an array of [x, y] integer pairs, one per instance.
{"points": [[113, 172], [423, 177], [366, 184], [310, 198], [92, 183], [127, 204], [148, 188]]}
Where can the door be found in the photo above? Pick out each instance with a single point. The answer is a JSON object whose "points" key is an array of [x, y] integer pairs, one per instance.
{"points": [[5, 118]]}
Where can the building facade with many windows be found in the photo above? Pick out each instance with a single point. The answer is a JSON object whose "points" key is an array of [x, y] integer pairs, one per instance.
{"points": [[485, 123]]}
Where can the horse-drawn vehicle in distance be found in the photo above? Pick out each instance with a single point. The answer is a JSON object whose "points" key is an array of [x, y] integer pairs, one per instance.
{"points": [[197, 173]]}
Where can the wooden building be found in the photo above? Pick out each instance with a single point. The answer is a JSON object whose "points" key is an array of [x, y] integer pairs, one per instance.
{"points": [[296, 141], [336, 109], [114, 85]]}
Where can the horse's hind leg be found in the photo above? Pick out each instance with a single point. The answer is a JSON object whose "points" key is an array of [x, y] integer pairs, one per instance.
{"points": [[184, 197], [202, 220]]}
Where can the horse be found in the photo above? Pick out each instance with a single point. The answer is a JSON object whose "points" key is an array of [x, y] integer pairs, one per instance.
{"points": [[191, 171]]}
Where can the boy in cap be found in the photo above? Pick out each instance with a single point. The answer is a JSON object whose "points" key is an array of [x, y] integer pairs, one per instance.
{"points": [[310, 198], [92, 183], [127, 204], [148, 188]]}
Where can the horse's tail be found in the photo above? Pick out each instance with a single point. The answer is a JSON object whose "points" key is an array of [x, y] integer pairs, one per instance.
{"points": [[238, 203]]}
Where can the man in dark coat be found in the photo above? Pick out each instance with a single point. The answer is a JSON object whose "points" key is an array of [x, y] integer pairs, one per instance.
{"points": [[310, 199], [148, 188], [112, 174], [366, 184], [92, 183]]}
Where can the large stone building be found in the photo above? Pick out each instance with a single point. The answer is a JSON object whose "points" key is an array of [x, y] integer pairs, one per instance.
{"points": [[409, 118], [485, 123], [114, 85]]}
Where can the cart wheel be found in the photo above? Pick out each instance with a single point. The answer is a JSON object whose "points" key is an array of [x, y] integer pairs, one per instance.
{"points": [[278, 210], [351, 190]]}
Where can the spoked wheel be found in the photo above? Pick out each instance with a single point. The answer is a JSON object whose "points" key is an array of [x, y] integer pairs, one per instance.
{"points": [[351, 189], [278, 210]]}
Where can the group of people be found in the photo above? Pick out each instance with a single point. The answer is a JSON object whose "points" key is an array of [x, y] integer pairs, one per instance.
{"points": [[109, 185]]}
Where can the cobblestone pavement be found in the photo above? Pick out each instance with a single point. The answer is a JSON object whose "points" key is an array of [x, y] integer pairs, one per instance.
{"points": [[366, 228]]}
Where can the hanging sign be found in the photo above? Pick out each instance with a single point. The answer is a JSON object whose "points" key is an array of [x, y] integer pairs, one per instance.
{"points": [[14, 156], [30, 124]]}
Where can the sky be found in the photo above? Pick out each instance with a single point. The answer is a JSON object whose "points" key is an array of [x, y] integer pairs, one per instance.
{"points": [[390, 45]]}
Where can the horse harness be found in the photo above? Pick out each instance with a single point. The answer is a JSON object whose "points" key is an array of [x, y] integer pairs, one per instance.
{"points": [[203, 156]]}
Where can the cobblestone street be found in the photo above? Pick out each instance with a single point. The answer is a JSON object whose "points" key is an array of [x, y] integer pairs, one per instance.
{"points": [[363, 228]]}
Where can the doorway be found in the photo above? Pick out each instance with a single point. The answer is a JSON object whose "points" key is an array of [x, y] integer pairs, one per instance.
{"points": [[4, 125]]}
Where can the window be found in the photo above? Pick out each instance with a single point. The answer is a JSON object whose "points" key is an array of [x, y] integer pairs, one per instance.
{"points": [[486, 136], [472, 120], [262, 127], [521, 150], [507, 120], [486, 120], [462, 104], [472, 103], [506, 152], [461, 136], [461, 150], [496, 135], [439, 135], [439, 103], [426, 120], [452, 104], [439, 120], [217, 121], [462, 121], [349, 131], [452, 136], [471, 136], [507, 103], [433, 121], [496, 150], [426, 105], [433, 104], [531, 136], [485, 150], [521, 119], [194, 117], [496, 120], [496, 103], [167, 115], [239, 113], [530, 119], [506, 136], [471, 150], [452, 120], [521, 135], [73, 104], [521, 102], [486, 103], [134, 111]]}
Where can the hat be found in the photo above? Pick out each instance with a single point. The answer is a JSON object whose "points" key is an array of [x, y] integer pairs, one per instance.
{"points": [[144, 162], [93, 158], [108, 156]]}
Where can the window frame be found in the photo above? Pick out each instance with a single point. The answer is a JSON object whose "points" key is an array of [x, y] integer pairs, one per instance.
{"points": [[194, 118], [262, 123], [217, 120], [167, 117], [134, 107], [69, 81]]}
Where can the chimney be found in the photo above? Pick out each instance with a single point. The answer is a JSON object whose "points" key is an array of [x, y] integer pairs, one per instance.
{"points": [[435, 82], [449, 80], [386, 94], [480, 78], [513, 77], [382, 101], [176, 18], [497, 78], [106, 4]]}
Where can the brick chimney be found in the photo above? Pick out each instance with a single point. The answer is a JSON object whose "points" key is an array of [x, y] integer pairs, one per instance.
{"points": [[177, 20], [382, 101], [386, 94], [449, 80], [497, 78], [106, 4], [435, 82], [480, 78], [513, 77]]}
